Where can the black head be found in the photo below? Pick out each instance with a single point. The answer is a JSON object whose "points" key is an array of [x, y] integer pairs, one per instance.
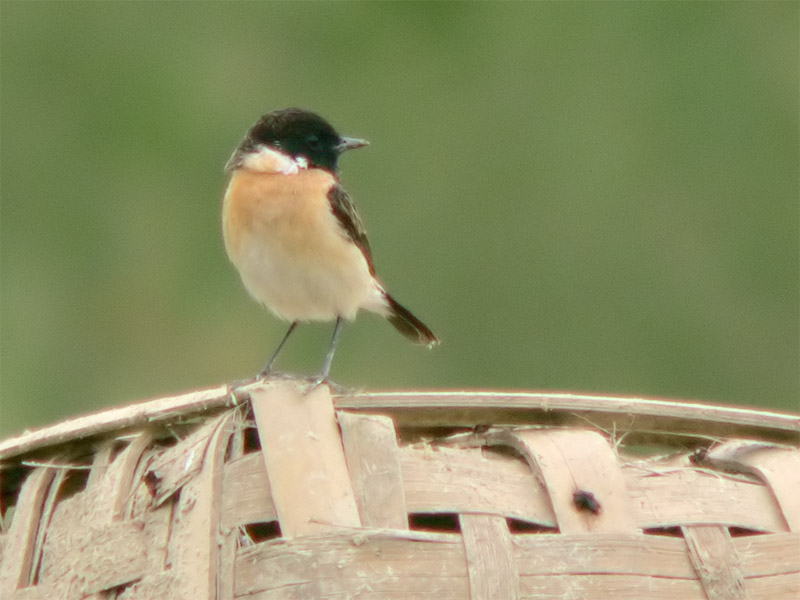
{"points": [[300, 134]]}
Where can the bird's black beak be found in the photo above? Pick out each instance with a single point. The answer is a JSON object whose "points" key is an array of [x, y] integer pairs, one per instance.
{"points": [[350, 144]]}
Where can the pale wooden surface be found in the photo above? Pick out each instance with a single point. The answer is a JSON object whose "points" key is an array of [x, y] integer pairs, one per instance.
{"points": [[471, 481], [373, 459], [491, 569], [779, 467], [195, 538], [181, 501], [578, 461], [715, 561], [445, 407], [304, 461], [553, 566], [20, 542]]}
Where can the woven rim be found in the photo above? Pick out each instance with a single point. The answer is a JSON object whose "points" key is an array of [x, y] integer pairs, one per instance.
{"points": [[434, 408]]}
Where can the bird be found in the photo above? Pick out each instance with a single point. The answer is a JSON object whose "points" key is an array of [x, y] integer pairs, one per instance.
{"points": [[293, 232]]}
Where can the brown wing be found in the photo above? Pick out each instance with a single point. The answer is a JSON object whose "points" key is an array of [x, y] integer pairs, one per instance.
{"points": [[347, 215], [399, 316]]}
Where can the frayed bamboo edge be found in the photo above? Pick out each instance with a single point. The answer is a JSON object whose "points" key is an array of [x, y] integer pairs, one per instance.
{"points": [[432, 408]]}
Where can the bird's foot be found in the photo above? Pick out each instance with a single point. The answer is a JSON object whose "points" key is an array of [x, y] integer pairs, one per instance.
{"points": [[263, 375], [335, 388], [233, 386], [312, 383], [315, 382]]}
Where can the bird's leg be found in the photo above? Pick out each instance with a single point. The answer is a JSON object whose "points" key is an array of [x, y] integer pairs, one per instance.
{"points": [[326, 365], [268, 367]]}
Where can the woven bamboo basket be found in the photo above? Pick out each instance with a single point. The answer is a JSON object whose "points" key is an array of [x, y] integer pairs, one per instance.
{"points": [[278, 494]]}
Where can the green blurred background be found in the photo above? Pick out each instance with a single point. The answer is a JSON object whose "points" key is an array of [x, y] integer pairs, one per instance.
{"points": [[593, 197]]}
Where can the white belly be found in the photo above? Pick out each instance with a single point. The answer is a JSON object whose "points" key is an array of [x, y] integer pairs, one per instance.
{"points": [[309, 287]]}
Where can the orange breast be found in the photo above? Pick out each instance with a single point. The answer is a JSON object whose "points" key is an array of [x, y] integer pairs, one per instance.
{"points": [[289, 209]]}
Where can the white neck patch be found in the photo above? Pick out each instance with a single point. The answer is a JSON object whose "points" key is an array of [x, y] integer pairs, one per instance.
{"points": [[269, 160]]}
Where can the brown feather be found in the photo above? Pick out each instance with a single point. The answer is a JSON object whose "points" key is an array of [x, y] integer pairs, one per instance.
{"points": [[409, 325], [345, 212]]}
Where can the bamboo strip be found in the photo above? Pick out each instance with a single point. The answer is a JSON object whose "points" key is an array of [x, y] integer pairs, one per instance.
{"points": [[459, 480], [715, 561], [246, 494], [304, 459], [194, 537], [444, 407], [585, 485], [177, 465], [373, 461], [87, 544], [777, 466], [491, 568], [20, 546], [389, 565]]}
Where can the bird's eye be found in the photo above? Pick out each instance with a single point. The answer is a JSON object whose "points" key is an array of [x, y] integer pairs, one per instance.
{"points": [[313, 143]]}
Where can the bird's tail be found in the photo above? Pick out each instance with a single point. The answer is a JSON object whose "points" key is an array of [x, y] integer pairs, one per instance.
{"points": [[409, 325]]}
